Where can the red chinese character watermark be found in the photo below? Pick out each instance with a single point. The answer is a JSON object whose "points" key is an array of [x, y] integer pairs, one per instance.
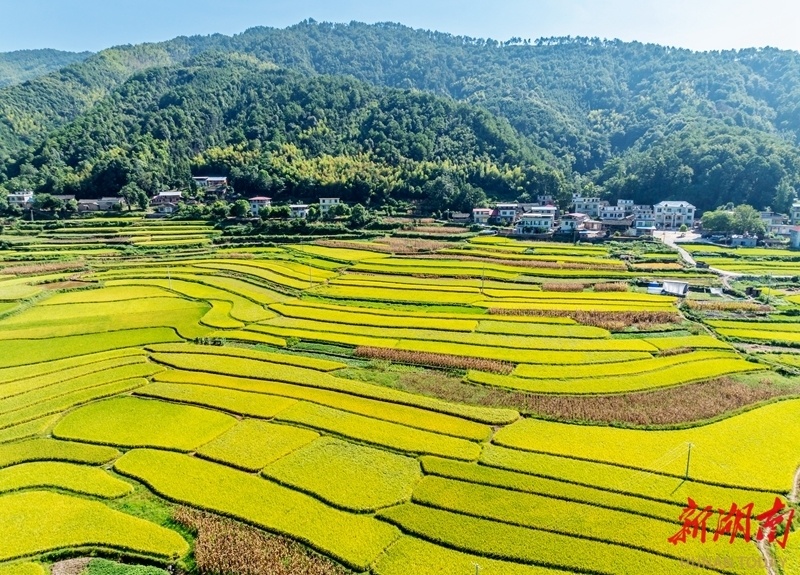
{"points": [[735, 523]]}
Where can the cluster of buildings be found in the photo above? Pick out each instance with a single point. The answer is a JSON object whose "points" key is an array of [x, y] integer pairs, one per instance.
{"points": [[24, 201], [589, 217]]}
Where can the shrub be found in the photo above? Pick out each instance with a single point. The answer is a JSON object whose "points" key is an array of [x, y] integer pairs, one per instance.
{"points": [[563, 286]]}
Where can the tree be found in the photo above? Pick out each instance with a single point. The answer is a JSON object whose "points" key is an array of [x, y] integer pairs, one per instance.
{"points": [[337, 211], [280, 212], [219, 210], [240, 208], [747, 220], [718, 221], [134, 196], [359, 217], [46, 202]]}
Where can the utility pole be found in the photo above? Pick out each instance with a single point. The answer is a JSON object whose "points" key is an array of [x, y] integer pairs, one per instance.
{"points": [[169, 277], [688, 459]]}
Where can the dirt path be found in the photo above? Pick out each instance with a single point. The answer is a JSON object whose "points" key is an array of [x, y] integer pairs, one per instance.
{"points": [[793, 496], [70, 566], [769, 562]]}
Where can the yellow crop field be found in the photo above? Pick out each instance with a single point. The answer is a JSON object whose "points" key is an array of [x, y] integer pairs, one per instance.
{"points": [[366, 407], [618, 368], [524, 545], [45, 449], [348, 476], [216, 371], [714, 446], [378, 432], [229, 400], [788, 337], [131, 422], [38, 521], [355, 540], [81, 479], [586, 520], [251, 445], [667, 376]]}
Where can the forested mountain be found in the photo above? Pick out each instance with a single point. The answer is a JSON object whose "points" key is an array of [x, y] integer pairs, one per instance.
{"points": [[621, 119], [22, 65], [287, 135]]}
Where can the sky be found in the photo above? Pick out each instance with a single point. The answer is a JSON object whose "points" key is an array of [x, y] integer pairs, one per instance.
{"points": [[79, 25]]}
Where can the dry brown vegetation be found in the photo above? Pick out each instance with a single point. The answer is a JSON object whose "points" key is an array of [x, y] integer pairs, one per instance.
{"points": [[531, 263], [657, 266], [610, 320], [225, 546], [611, 287], [563, 286], [390, 245], [674, 351], [673, 406], [440, 230], [34, 269], [434, 359], [707, 305]]}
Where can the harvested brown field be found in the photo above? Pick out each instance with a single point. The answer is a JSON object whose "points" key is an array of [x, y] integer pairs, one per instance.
{"points": [[563, 286], [610, 320], [746, 306], [35, 269], [225, 546], [72, 284], [434, 359], [667, 407], [611, 287]]}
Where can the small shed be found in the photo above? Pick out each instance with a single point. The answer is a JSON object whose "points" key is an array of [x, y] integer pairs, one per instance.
{"points": [[679, 289]]}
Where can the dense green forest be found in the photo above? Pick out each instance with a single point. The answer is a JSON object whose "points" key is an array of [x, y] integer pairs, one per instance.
{"points": [[611, 118], [22, 65], [287, 135]]}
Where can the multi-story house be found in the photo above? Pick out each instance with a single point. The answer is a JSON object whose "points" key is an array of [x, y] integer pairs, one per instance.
{"points": [[506, 213], [482, 215], [589, 206], [327, 203], [672, 215], [795, 213], [258, 203], [22, 200]]}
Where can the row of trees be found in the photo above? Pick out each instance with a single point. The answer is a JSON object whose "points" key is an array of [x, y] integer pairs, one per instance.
{"points": [[741, 219]]}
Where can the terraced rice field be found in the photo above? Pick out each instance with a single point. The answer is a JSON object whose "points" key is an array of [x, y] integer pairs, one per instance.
{"points": [[273, 388]]}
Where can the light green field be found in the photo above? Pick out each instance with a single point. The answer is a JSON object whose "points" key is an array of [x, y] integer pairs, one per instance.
{"points": [[131, 422], [349, 476], [252, 444]]}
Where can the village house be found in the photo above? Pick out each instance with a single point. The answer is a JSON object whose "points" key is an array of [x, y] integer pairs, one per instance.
{"points": [[745, 241], [327, 203], [589, 206], [299, 211], [535, 222], [100, 205], [794, 238], [795, 213], [482, 215], [571, 223], [211, 182], [22, 200], [776, 224], [506, 213], [258, 203], [674, 214], [170, 197]]}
